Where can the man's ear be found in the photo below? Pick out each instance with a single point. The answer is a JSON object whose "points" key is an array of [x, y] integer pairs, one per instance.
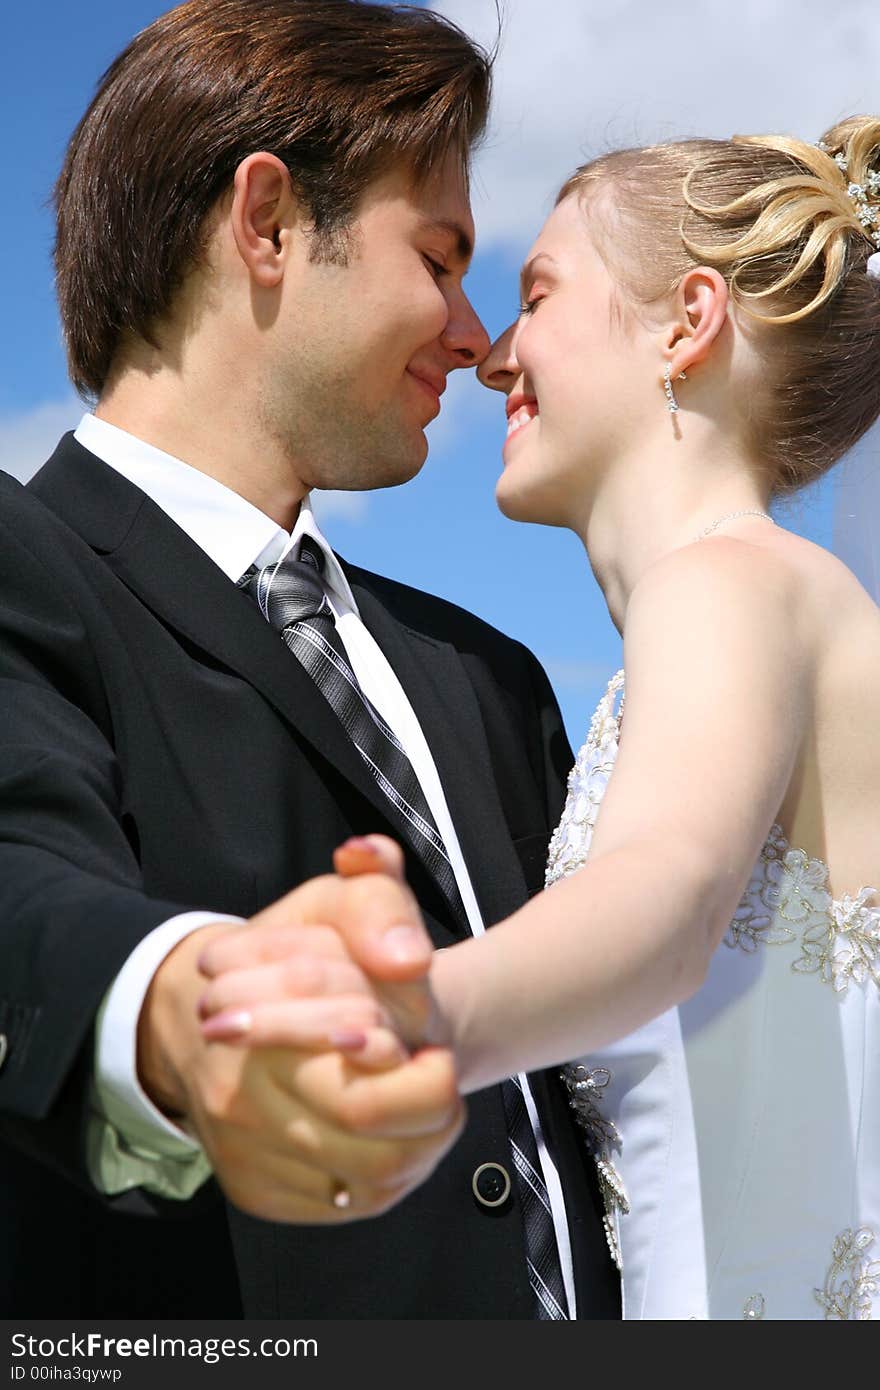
{"points": [[262, 216], [701, 302]]}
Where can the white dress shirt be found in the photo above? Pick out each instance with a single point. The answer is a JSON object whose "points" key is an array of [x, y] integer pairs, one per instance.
{"points": [[131, 1143]]}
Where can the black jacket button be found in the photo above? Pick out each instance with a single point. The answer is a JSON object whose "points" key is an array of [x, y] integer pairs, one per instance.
{"points": [[4, 1049], [491, 1184]]}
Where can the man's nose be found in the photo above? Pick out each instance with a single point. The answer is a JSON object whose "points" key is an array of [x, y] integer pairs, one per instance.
{"points": [[464, 335], [499, 368]]}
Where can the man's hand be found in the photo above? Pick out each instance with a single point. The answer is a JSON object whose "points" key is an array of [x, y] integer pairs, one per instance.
{"points": [[286, 1129]]}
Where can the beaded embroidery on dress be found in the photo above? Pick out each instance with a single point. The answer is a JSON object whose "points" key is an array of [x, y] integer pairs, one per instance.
{"points": [[787, 900], [738, 1137], [587, 781], [568, 850]]}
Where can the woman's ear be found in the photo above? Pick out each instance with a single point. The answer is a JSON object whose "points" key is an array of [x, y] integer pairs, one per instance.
{"points": [[263, 213], [701, 302]]}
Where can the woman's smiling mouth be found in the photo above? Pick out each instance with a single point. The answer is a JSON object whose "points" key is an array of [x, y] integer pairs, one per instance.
{"points": [[520, 412]]}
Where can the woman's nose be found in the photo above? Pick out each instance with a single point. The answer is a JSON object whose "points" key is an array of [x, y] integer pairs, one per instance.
{"points": [[500, 367]]}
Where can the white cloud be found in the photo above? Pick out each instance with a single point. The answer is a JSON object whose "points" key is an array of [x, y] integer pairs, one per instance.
{"points": [[29, 437], [574, 78]]}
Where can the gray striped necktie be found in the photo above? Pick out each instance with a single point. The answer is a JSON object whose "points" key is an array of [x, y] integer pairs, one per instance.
{"points": [[291, 596]]}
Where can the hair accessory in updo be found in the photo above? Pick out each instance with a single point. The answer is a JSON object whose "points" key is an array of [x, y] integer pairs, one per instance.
{"points": [[868, 213], [799, 251]]}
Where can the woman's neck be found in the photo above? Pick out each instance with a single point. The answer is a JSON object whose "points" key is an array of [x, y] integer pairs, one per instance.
{"points": [[661, 498]]}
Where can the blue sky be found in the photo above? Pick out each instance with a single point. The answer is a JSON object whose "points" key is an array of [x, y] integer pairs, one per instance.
{"points": [[574, 77]]}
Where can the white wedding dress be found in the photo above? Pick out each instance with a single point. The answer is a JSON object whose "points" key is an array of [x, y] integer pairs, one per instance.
{"points": [[737, 1137]]}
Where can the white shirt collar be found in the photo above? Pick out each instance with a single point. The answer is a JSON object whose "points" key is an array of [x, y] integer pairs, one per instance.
{"points": [[231, 531]]}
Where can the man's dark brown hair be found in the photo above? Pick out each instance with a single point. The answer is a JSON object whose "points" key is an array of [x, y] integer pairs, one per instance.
{"points": [[339, 90]]}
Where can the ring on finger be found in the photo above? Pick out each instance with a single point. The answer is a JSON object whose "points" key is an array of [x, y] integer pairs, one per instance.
{"points": [[340, 1195]]}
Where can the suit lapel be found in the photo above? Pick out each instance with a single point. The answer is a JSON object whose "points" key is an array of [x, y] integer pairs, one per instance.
{"points": [[437, 686], [174, 578]]}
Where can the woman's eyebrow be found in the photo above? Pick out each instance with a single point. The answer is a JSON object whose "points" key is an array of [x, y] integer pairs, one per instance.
{"points": [[528, 269]]}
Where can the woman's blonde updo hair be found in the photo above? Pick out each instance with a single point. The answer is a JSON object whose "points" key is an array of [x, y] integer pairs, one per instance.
{"points": [[774, 216]]}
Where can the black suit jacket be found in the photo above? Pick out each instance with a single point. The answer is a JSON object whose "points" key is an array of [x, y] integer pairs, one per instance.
{"points": [[161, 750]]}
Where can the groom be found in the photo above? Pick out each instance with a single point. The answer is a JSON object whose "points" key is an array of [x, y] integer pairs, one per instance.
{"points": [[263, 225]]}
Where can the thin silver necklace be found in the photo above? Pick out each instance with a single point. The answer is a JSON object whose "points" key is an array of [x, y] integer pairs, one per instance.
{"points": [[731, 516]]}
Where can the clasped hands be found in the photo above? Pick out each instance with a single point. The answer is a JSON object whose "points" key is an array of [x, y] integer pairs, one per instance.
{"points": [[319, 1080]]}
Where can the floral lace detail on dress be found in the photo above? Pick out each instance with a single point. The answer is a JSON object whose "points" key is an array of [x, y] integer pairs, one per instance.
{"points": [[570, 844], [585, 1086], [788, 899], [569, 849], [852, 1280], [754, 1307], [849, 948]]}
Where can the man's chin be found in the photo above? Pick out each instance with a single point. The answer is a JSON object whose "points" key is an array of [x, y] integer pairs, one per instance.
{"points": [[402, 466], [378, 464]]}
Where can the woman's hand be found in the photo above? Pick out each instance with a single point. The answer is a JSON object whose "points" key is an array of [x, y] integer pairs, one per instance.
{"points": [[362, 990], [325, 997]]}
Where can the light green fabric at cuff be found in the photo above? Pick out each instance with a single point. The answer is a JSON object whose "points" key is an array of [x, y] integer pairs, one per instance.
{"points": [[117, 1164], [125, 1150]]}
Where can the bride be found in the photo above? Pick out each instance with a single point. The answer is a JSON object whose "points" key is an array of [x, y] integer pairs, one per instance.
{"points": [[699, 335]]}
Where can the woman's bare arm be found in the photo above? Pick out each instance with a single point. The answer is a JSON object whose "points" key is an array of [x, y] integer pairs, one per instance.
{"points": [[718, 666], [719, 663]]}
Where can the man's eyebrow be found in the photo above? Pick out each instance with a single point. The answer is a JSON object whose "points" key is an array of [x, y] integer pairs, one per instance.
{"points": [[464, 246], [528, 270]]}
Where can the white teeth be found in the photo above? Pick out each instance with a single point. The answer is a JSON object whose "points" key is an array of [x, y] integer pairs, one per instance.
{"points": [[521, 417]]}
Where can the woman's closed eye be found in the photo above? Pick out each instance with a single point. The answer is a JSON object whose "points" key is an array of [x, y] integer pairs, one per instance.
{"points": [[528, 306]]}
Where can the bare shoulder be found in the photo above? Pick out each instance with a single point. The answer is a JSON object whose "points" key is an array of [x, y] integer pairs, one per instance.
{"points": [[780, 578], [744, 655], [745, 621], [831, 808], [842, 618], [723, 588], [818, 568]]}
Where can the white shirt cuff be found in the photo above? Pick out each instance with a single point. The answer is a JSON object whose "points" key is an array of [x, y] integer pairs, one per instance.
{"points": [[131, 1143]]}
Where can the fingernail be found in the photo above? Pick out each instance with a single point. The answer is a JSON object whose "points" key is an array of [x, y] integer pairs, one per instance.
{"points": [[347, 1039], [404, 944], [356, 842], [229, 1025]]}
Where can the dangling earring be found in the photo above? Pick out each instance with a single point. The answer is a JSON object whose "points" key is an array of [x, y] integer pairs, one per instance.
{"points": [[671, 402]]}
